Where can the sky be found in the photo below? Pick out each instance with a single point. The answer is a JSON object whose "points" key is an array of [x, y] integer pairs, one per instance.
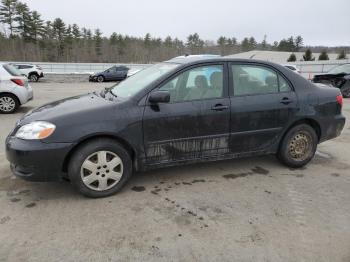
{"points": [[319, 22]]}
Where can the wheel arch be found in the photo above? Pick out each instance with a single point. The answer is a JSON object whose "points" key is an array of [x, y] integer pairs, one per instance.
{"points": [[121, 141], [12, 94], [309, 121]]}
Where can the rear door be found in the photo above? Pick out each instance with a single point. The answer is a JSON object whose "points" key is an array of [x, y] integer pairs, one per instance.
{"points": [[262, 104], [195, 123]]}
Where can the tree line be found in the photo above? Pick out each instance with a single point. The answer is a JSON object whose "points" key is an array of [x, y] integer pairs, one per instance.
{"points": [[25, 36]]}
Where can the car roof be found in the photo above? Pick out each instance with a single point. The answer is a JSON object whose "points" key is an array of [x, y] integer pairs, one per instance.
{"points": [[186, 60]]}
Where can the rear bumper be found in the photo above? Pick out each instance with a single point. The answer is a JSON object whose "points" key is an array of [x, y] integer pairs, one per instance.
{"points": [[333, 128], [35, 160]]}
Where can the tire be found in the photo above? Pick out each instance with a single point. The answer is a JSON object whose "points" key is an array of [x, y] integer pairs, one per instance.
{"points": [[100, 79], [8, 103], [298, 146], [102, 178], [33, 77]]}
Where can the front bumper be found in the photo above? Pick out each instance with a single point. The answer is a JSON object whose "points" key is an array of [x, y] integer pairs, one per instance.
{"points": [[35, 160], [92, 78]]}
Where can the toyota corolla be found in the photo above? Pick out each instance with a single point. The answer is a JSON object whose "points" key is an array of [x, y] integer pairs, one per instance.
{"points": [[185, 110]]}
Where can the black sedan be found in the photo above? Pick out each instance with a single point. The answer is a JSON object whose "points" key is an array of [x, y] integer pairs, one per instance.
{"points": [[115, 73], [338, 77], [185, 110]]}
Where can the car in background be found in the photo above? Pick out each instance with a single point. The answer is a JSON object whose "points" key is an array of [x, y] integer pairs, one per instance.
{"points": [[338, 77], [293, 68], [33, 72], [115, 73], [14, 89], [181, 111]]}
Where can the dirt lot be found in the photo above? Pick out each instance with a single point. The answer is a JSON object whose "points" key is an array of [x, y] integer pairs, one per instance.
{"points": [[250, 209]]}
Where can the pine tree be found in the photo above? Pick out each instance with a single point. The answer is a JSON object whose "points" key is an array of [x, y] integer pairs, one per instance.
{"points": [[8, 15], [308, 55], [298, 43], [23, 19], [342, 55], [98, 42], [292, 58], [59, 32], [252, 43], [323, 55], [222, 41], [76, 32], [245, 44], [37, 28]]}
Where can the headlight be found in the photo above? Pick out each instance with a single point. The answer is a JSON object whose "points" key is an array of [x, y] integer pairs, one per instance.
{"points": [[36, 130]]}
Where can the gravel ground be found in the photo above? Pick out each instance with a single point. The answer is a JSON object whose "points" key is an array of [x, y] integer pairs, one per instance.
{"points": [[251, 209]]}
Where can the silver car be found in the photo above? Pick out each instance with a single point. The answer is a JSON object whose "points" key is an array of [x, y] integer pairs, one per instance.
{"points": [[14, 89]]}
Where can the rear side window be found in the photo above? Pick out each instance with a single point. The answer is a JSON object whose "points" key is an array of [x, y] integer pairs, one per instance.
{"points": [[254, 80], [12, 70]]}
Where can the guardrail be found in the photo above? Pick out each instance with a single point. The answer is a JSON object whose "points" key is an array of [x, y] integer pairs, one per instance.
{"points": [[79, 68]]}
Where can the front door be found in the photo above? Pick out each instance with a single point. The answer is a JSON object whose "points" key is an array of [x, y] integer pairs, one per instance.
{"points": [[195, 123], [262, 105]]}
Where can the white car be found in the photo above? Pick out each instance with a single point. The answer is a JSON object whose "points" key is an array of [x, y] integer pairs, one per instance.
{"points": [[33, 72], [293, 68], [14, 89]]}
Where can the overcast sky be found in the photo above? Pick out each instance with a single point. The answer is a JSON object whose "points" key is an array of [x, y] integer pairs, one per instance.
{"points": [[320, 22]]}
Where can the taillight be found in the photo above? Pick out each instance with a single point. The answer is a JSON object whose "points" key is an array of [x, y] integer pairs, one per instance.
{"points": [[340, 100], [17, 81]]}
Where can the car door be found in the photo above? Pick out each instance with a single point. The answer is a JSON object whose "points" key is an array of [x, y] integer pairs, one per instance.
{"points": [[119, 73], [262, 105], [195, 123], [109, 73]]}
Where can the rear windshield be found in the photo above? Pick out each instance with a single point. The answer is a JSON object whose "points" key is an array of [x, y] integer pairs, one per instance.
{"points": [[12, 70]]}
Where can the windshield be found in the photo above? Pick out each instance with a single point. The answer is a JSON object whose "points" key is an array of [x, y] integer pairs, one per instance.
{"points": [[340, 69], [12, 70], [137, 82]]}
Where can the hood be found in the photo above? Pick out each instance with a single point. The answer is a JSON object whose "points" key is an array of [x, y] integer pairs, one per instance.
{"points": [[59, 110]]}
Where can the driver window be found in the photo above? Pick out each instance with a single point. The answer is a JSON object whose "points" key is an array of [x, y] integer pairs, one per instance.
{"points": [[203, 82]]}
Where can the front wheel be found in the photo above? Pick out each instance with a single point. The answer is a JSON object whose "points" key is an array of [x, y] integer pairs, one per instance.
{"points": [[100, 168], [298, 146]]}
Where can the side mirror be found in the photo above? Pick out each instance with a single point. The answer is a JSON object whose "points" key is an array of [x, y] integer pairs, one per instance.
{"points": [[159, 97]]}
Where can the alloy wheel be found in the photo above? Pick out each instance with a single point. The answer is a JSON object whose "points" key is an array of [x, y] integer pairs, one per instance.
{"points": [[100, 79], [7, 104], [101, 170]]}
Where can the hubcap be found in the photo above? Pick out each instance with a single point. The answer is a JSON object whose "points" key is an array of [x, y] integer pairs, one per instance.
{"points": [[300, 146], [100, 79], [101, 170], [7, 104]]}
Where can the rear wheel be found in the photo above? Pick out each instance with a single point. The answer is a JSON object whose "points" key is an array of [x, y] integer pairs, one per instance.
{"points": [[298, 146], [100, 168], [34, 77], [8, 103], [100, 79]]}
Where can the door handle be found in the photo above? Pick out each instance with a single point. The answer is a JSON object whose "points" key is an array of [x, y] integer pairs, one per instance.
{"points": [[219, 107], [286, 101]]}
